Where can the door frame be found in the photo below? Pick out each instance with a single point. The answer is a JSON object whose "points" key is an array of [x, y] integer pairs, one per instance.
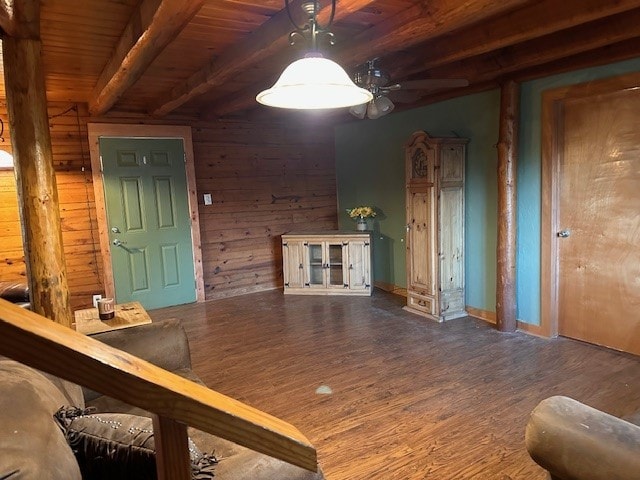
{"points": [[97, 130], [551, 149]]}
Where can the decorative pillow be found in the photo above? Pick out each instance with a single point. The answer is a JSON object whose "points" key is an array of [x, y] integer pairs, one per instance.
{"points": [[117, 445]]}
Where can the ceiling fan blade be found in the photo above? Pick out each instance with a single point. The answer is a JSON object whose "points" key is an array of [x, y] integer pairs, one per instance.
{"points": [[431, 84], [404, 96]]}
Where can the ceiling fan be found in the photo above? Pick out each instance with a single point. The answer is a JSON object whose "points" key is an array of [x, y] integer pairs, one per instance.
{"points": [[377, 81]]}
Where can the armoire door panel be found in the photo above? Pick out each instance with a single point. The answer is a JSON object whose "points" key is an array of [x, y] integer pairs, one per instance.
{"points": [[452, 163], [421, 241], [451, 238]]}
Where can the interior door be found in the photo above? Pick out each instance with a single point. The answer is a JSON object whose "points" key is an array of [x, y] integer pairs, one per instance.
{"points": [[599, 220], [148, 219]]}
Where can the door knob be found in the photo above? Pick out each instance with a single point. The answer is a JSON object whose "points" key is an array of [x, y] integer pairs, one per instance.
{"points": [[564, 233], [118, 243]]}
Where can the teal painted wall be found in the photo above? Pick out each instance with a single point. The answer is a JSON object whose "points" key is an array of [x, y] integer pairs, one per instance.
{"points": [[370, 171]]}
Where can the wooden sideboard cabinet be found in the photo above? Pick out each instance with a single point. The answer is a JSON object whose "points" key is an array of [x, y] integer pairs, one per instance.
{"points": [[328, 263], [435, 226]]}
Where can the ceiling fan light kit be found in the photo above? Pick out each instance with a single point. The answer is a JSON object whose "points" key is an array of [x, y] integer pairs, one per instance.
{"points": [[379, 107], [376, 81], [313, 82], [375, 109]]}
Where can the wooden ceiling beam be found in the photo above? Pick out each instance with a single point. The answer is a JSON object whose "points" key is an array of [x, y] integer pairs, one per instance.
{"points": [[271, 37], [609, 54], [567, 43], [533, 57], [617, 52], [425, 20], [514, 27], [413, 25], [153, 25]]}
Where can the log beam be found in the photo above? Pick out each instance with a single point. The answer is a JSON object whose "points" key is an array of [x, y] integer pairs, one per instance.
{"points": [[153, 25], [270, 38], [607, 54], [507, 208], [521, 25], [618, 33], [418, 24], [33, 163]]}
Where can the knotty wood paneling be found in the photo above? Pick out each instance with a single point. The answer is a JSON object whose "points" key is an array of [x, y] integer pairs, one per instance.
{"points": [[12, 265], [265, 179]]}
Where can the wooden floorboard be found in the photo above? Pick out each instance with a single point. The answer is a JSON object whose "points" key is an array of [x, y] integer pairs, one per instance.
{"points": [[412, 399]]}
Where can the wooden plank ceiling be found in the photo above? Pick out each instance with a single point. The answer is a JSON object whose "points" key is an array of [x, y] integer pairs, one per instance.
{"points": [[210, 57]]}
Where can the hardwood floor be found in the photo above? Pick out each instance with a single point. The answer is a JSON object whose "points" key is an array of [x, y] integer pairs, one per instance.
{"points": [[412, 399]]}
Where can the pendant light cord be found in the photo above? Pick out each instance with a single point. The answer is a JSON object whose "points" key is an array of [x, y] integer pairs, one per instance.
{"points": [[85, 180], [86, 191]]}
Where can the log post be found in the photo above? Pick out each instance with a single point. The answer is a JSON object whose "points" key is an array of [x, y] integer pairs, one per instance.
{"points": [[506, 248], [33, 163]]}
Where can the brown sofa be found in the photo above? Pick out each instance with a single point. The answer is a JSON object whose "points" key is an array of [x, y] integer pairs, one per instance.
{"points": [[573, 441], [33, 443], [15, 292]]}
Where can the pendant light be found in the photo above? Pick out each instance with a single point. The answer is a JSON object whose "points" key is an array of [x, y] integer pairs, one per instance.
{"points": [[313, 82]]}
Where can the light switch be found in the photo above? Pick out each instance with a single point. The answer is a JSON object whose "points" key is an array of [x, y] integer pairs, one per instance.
{"points": [[207, 199]]}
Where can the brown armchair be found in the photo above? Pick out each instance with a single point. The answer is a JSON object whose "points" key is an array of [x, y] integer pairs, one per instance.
{"points": [[573, 441]]}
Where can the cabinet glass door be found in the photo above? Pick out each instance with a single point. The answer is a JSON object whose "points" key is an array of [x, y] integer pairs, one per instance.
{"points": [[336, 277], [316, 268]]}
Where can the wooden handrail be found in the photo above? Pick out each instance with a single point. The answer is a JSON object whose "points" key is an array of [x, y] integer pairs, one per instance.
{"points": [[43, 344]]}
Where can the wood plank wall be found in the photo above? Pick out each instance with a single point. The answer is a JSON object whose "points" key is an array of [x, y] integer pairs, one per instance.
{"points": [[265, 179]]}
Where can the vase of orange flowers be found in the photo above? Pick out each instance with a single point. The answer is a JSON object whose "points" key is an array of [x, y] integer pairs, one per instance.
{"points": [[360, 215]]}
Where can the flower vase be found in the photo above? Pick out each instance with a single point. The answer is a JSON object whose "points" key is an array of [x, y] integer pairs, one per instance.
{"points": [[361, 224]]}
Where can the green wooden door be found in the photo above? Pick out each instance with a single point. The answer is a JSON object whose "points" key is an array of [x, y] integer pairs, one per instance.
{"points": [[148, 219]]}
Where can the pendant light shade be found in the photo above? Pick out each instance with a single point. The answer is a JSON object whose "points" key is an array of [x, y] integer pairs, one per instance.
{"points": [[314, 83]]}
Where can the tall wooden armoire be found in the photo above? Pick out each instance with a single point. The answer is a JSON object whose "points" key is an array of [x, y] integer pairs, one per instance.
{"points": [[435, 226]]}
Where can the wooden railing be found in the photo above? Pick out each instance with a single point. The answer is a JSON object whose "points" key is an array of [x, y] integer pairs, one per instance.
{"points": [[174, 401]]}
